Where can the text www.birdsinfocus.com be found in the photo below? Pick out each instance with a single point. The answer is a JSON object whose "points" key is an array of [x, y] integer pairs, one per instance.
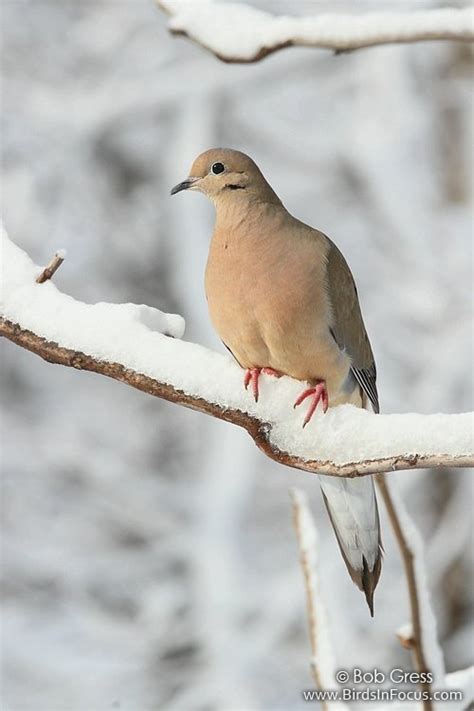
{"points": [[368, 687], [370, 694]]}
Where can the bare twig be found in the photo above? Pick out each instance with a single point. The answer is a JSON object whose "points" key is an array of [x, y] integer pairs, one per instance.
{"points": [[243, 33], [415, 640], [52, 267], [258, 430]]}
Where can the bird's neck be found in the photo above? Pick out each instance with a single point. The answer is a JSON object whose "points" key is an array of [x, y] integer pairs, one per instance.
{"points": [[252, 228], [240, 207]]}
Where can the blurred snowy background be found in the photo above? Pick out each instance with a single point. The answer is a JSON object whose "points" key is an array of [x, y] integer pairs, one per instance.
{"points": [[148, 555]]}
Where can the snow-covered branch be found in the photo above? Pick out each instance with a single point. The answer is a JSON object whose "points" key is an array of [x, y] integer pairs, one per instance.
{"points": [[236, 32], [323, 667], [419, 636], [131, 343]]}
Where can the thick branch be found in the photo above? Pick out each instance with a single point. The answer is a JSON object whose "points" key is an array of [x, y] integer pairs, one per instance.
{"points": [[130, 343], [236, 32], [258, 430]]}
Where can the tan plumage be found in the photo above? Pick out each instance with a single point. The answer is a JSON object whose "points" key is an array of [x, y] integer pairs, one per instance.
{"points": [[281, 296]]}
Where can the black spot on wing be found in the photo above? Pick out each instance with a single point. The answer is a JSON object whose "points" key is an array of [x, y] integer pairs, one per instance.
{"points": [[233, 356], [366, 378]]}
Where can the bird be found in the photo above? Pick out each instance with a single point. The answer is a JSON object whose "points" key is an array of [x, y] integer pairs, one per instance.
{"points": [[283, 301]]}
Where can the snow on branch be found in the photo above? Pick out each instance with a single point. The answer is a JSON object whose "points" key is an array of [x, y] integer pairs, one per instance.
{"points": [[141, 346], [236, 32], [323, 667]]}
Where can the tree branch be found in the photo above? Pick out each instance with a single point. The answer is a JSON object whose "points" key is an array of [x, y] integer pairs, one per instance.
{"points": [[130, 343], [236, 32], [50, 270], [322, 658], [416, 639], [258, 430]]}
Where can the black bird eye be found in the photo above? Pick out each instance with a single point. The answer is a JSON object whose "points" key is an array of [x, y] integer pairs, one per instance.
{"points": [[217, 168]]}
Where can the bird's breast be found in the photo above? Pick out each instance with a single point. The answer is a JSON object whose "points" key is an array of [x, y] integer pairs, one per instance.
{"points": [[269, 305]]}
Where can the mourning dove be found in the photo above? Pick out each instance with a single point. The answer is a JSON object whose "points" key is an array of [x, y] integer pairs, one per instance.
{"points": [[283, 300]]}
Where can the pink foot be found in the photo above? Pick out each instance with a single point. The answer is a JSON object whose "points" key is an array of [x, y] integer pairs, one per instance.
{"points": [[318, 393], [252, 375]]}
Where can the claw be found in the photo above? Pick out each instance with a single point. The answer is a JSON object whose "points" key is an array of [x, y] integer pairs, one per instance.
{"points": [[318, 393], [252, 375]]}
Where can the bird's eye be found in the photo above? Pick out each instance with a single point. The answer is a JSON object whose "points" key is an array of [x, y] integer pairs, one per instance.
{"points": [[217, 168]]}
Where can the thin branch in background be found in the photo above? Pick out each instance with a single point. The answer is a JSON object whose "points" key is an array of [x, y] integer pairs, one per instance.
{"points": [[238, 32], [306, 538], [52, 267], [322, 659], [421, 638]]}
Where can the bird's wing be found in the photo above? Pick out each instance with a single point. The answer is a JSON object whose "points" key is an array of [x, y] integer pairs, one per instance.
{"points": [[347, 325]]}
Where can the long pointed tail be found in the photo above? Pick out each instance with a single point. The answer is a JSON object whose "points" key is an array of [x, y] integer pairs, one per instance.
{"points": [[352, 508]]}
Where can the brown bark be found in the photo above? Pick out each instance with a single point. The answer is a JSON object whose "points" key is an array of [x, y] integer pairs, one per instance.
{"points": [[50, 270], [415, 642], [258, 430]]}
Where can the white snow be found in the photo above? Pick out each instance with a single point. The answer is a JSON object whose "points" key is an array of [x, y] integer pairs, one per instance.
{"points": [[236, 31], [61, 253], [19, 293], [405, 631], [135, 337]]}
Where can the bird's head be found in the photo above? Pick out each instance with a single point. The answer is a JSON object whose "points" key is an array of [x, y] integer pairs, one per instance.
{"points": [[221, 173]]}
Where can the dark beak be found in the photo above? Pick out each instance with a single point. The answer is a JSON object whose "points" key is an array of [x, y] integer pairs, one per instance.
{"points": [[183, 186]]}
